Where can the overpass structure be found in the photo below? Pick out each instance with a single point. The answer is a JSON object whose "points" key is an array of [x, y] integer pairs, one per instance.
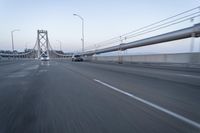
{"points": [[193, 31]]}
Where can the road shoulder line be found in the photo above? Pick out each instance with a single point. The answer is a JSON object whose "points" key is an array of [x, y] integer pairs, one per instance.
{"points": [[182, 118]]}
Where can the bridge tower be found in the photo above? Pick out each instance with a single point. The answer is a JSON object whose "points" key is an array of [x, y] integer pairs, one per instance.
{"points": [[43, 43]]}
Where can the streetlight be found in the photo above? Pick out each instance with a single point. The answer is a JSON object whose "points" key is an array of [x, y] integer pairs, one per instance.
{"points": [[12, 38], [82, 39], [60, 44]]}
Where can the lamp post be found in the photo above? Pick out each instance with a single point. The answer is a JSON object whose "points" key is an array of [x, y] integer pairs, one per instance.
{"points": [[82, 39], [12, 38]]}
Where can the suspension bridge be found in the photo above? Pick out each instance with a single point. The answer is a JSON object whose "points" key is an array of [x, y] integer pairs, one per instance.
{"points": [[144, 93], [41, 48]]}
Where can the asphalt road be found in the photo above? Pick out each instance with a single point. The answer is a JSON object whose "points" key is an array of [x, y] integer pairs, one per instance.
{"points": [[82, 97]]}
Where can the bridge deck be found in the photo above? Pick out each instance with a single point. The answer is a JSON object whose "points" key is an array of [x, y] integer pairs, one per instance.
{"points": [[63, 96]]}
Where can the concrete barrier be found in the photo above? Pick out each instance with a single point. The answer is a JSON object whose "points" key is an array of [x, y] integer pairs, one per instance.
{"points": [[185, 58]]}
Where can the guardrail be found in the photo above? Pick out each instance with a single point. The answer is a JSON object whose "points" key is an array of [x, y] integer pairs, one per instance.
{"points": [[180, 58], [22, 55]]}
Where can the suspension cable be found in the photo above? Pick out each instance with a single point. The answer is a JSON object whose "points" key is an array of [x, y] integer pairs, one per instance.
{"points": [[149, 28]]}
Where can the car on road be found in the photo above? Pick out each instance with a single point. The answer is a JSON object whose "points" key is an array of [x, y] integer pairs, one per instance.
{"points": [[77, 58], [44, 58]]}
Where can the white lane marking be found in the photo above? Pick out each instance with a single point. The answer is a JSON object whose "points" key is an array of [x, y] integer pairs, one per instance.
{"points": [[41, 71], [18, 74], [33, 67], [186, 75], [193, 123], [45, 63]]}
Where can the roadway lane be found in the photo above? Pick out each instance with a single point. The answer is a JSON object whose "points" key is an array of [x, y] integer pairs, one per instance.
{"points": [[60, 97], [12, 66]]}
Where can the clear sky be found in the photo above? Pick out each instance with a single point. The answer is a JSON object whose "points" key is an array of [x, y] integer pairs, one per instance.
{"points": [[104, 19]]}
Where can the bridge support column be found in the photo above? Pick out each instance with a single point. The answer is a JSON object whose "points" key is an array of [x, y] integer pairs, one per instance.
{"points": [[43, 43]]}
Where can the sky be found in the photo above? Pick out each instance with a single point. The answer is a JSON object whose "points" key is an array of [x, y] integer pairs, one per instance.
{"points": [[104, 19]]}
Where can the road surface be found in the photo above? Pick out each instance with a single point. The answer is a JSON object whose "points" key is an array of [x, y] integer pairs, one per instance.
{"points": [[82, 97]]}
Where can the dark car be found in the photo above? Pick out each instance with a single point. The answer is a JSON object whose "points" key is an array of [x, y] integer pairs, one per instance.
{"points": [[77, 58]]}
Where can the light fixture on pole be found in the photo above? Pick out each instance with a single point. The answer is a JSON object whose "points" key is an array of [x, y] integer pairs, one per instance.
{"points": [[82, 39], [13, 48]]}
